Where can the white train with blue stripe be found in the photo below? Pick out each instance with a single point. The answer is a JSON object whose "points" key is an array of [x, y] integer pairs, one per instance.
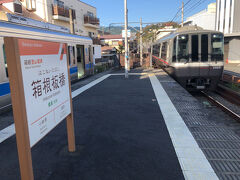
{"points": [[80, 52]]}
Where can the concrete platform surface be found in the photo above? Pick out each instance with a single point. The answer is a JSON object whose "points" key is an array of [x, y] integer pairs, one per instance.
{"points": [[232, 67]]}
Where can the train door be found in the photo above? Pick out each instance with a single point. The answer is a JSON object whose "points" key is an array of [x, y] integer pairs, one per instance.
{"points": [[194, 51], [72, 62], [80, 61], [204, 55], [5, 99], [3, 63]]}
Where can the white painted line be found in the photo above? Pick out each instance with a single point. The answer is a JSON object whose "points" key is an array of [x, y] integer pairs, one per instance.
{"points": [[122, 74], [7, 132], [10, 130], [91, 84], [191, 158]]}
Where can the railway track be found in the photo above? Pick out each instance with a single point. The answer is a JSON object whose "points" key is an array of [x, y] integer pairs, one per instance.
{"points": [[226, 109]]}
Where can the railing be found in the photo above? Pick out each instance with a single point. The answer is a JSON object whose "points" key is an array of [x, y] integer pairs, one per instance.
{"points": [[62, 11], [96, 41], [91, 20]]}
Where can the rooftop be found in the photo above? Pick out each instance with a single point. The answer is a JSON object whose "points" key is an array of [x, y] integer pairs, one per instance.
{"points": [[117, 36]]}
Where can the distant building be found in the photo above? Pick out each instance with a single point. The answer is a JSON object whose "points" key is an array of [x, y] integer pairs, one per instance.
{"points": [[228, 22], [112, 41], [84, 19], [204, 19]]}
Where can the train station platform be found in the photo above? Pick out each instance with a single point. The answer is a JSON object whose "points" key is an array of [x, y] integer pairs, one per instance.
{"points": [[233, 68], [143, 127]]}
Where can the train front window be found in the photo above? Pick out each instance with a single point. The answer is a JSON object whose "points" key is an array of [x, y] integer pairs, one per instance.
{"points": [[217, 47], [204, 47], [182, 48], [195, 48]]}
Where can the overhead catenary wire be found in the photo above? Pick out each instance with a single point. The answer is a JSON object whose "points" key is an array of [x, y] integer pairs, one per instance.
{"points": [[189, 8]]}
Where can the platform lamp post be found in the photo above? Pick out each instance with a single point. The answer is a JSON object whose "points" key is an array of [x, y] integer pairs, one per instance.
{"points": [[126, 38]]}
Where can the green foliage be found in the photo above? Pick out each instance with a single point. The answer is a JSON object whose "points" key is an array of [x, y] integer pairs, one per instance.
{"points": [[149, 32], [120, 48]]}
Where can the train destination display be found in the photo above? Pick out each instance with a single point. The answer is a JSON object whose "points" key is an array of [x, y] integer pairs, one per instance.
{"points": [[46, 85]]}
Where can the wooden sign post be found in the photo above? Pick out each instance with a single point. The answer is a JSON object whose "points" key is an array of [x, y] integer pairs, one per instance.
{"points": [[41, 94]]}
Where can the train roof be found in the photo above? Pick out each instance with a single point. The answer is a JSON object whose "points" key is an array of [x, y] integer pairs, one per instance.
{"points": [[185, 30], [17, 29]]}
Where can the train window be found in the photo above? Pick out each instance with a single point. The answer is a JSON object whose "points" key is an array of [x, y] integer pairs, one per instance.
{"points": [[74, 55], [174, 50], [156, 50], [79, 55], [194, 48], [204, 48], [182, 48], [69, 54], [164, 51], [217, 47], [89, 53], [5, 60]]}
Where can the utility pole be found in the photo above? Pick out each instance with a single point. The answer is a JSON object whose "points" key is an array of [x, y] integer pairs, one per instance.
{"points": [[182, 12], [126, 39], [141, 43], [71, 21], [151, 53]]}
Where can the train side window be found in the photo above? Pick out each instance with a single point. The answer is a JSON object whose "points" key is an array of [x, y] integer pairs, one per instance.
{"points": [[204, 48], [156, 50], [79, 57], [69, 54], [74, 55], [164, 51], [194, 48], [89, 53], [5, 60], [174, 50]]}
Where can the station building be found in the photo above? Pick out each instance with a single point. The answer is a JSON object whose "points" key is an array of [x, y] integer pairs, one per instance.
{"points": [[76, 16], [228, 22]]}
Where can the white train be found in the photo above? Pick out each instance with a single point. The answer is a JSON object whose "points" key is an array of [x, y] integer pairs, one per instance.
{"points": [[80, 53], [193, 56]]}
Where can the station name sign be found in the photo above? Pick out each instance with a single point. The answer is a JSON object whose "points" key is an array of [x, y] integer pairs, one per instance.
{"points": [[46, 85]]}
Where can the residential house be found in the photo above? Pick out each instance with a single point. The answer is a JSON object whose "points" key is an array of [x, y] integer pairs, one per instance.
{"points": [[80, 18]]}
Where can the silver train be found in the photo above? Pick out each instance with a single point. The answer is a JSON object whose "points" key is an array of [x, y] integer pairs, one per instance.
{"points": [[192, 56], [80, 51]]}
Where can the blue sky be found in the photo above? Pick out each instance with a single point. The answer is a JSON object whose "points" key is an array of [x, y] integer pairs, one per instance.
{"points": [[112, 11]]}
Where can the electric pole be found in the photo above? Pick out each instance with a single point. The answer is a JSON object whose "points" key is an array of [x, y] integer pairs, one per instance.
{"points": [[182, 12], [141, 43], [126, 39], [151, 53], [71, 21]]}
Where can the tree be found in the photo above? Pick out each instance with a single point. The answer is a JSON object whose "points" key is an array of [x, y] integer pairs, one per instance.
{"points": [[120, 48]]}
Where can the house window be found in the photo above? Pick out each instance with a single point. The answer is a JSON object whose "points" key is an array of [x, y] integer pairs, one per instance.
{"points": [[90, 14], [31, 5], [17, 8]]}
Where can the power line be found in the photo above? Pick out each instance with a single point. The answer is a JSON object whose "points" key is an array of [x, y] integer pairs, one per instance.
{"points": [[176, 15]]}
